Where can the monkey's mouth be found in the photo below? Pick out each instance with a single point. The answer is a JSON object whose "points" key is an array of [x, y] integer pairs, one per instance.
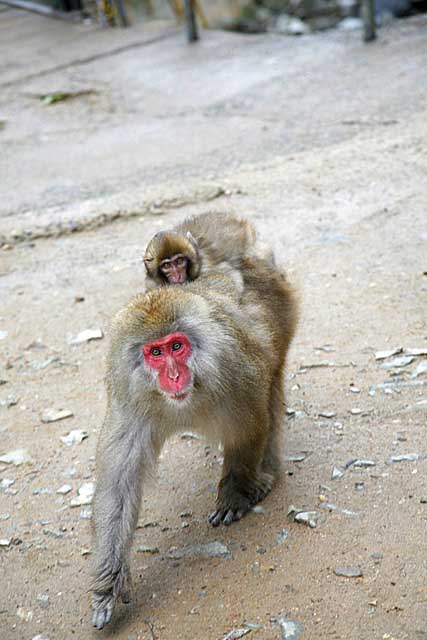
{"points": [[179, 278], [180, 395]]}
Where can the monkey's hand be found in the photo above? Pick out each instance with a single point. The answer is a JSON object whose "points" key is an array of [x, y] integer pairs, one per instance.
{"points": [[103, 600], [237, 495]]}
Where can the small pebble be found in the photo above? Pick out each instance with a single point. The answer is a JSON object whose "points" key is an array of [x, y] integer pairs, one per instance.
{"points": [[298, 458], [16, 457], [5, 483], [348, 572], [87, 335], [235, 634], [403, 361], [66, 488], [54, 415], [361, 462], [408, 457], [282, 536], [336, 473], [5, 542], [10, 401], [387, 353], [43, 600], [206, 550], [289, 629], [146, 525], [85, 495], [76, 436], [258, 509], [377, 557], [143, 548], [306, 517], [420, 370], [24, 614], [422, 351]]}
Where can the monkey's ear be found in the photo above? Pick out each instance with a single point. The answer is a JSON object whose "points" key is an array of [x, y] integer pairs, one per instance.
{"points": [[191, 238], [151, 258], [148, 260], [193, 255], [147, 263]]}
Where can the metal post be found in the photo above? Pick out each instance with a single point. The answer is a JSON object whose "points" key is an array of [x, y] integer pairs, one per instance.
{"points": [[368, 16], [190, 20], [121, 12]]}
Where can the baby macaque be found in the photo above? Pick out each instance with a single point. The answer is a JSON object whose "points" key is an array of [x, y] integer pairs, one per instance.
{"points": [[217, 241]]}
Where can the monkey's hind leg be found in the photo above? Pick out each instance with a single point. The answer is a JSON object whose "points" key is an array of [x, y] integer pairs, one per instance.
{"points": [[272, 459], [243, 483]]}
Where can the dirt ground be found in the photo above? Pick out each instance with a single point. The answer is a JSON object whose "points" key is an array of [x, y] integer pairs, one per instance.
{"points": [[321, 142]]}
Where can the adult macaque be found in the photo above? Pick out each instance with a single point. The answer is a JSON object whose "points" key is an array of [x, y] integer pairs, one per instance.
{"points": [[207, 358], [200, 244]]}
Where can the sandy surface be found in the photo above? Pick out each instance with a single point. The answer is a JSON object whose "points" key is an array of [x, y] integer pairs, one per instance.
{"points": [[321, 142]]}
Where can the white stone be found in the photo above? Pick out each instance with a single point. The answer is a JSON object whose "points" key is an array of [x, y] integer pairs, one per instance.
{"points": [[53, 415], [85, 496], [16, 457], [76, 436], [66, 488], [87, 335]]}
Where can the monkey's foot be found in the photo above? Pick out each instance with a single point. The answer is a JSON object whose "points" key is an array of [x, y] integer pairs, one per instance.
{"points": [[103, 601], [102, 609], [236, 498]]}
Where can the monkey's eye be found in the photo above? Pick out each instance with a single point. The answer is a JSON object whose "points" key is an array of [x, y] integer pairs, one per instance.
{"points": [[155, 351], [176, 346], [180, 261], [166, 266]]}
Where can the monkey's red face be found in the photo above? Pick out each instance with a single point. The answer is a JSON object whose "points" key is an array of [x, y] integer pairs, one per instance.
{"points": [[175, 268], [169, 357]]}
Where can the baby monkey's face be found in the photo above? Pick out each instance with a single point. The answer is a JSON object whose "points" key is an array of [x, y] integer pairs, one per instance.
{"points": [[175, 268]]}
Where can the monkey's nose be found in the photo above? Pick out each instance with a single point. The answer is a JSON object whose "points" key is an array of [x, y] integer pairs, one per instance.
{"points": [[172, 371]]}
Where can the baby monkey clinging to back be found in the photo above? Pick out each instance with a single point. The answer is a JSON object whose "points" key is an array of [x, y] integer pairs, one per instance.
{"points": [[200, 244]]}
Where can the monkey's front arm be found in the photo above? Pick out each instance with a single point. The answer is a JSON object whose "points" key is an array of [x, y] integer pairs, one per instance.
{"points": [[123, 455]]}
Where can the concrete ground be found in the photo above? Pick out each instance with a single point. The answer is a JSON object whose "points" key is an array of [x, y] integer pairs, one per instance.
{"points": [[320, 141]]}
